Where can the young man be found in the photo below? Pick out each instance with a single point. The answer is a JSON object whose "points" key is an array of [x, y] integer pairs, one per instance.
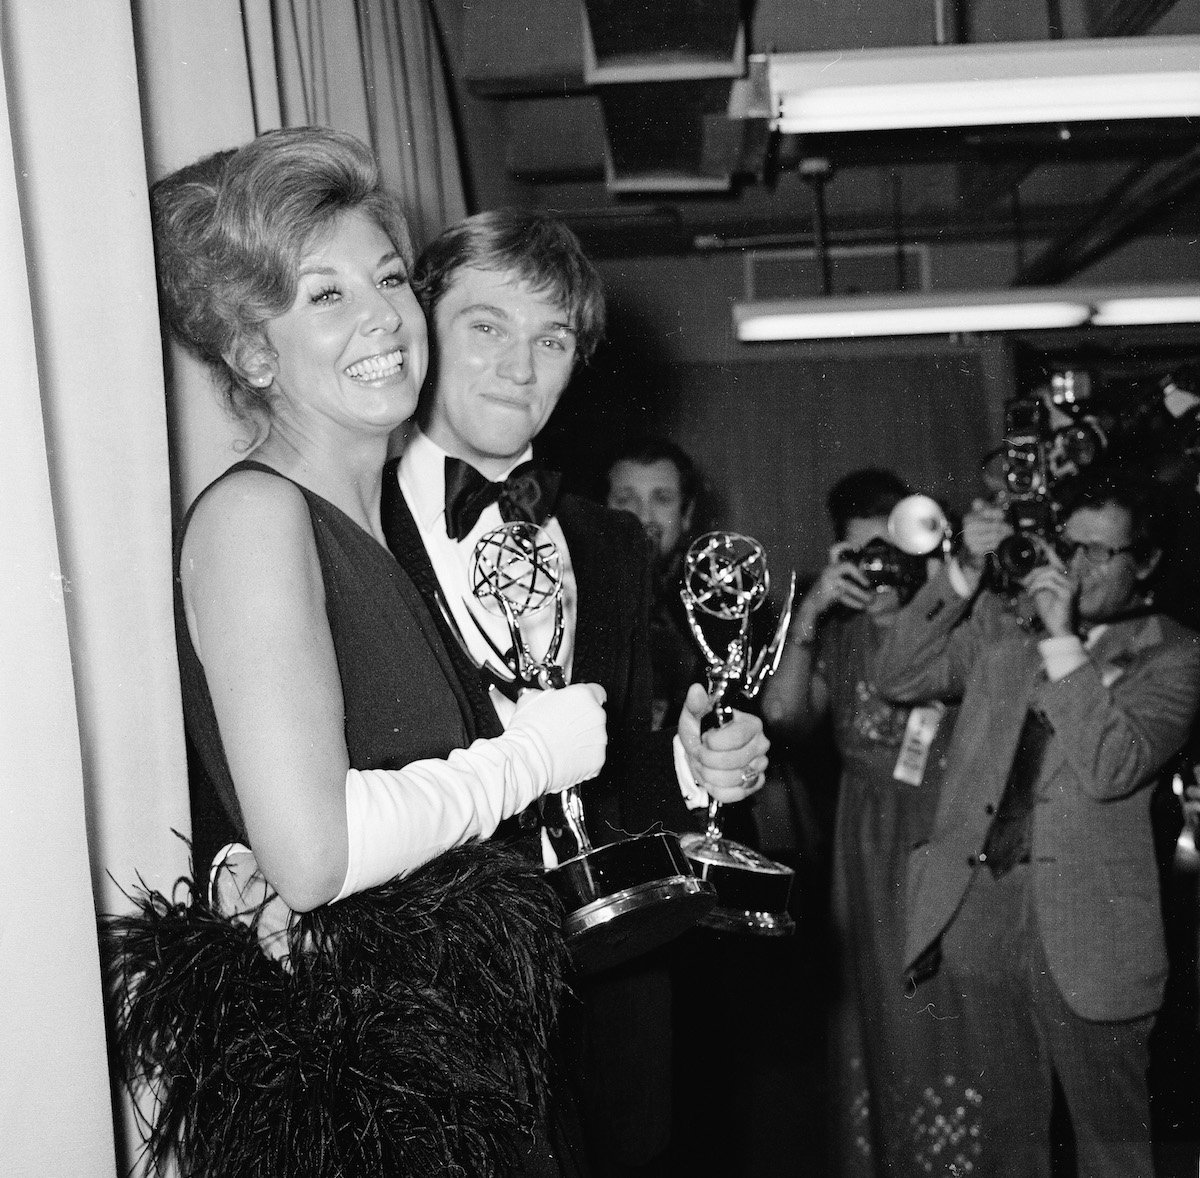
{"points": [[1036, 895], [513, 304]]}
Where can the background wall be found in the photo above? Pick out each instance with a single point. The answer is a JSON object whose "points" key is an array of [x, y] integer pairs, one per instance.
{"points": [[773, 426]]}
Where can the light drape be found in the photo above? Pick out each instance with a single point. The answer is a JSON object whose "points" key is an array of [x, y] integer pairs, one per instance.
{"points": [[94, 98], [196, 99], [91, 752], [372, 68], [45, 892]]}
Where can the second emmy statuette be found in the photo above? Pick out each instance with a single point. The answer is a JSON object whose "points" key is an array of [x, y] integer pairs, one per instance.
{"points": [[725, 578], [624, 898]]}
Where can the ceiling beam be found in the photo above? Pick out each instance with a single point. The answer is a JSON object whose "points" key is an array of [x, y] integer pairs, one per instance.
{"points": [[1128, 18], [1145, 192]]}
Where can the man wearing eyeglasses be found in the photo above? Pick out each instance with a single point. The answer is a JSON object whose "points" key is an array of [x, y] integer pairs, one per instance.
{"points": [[1037, 895]]}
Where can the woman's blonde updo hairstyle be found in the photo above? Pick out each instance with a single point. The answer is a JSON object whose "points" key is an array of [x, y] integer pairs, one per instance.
{"points": [[230, 232]]}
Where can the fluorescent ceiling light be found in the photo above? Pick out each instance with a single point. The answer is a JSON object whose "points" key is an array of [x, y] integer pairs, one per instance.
{"points": [[1165, 307], [981, 85], [954, 312], [838, 317]]}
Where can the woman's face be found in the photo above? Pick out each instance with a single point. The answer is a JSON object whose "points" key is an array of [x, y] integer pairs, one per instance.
{"points": [[352, 347]]}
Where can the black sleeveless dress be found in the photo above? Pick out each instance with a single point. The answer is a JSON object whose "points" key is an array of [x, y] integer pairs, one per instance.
{"points": [[403, 701], [409, 1027]]}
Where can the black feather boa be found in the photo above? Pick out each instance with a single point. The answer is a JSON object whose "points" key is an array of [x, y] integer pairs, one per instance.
{"points": [[406, 1033]]}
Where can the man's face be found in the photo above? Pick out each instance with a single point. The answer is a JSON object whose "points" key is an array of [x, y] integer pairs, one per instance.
{"points": [[505, 353], [860, 530], [1108, 584], [651, 491]]}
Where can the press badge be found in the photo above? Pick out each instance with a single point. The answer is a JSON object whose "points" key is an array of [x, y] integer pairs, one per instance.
{"points": [[918, 740]]}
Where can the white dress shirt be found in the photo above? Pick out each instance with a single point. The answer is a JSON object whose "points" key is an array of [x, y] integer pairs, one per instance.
{"points": [[422, 474]]}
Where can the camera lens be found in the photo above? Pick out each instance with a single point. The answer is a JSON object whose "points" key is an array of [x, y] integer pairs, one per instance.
{"points": [[1018, 555], [884, 566], [876, 560], [1021, 470]]}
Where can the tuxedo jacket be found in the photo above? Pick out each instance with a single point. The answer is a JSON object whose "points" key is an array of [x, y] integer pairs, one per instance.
{"points": [[620, 1037], [637, 790], [1114, 722]]}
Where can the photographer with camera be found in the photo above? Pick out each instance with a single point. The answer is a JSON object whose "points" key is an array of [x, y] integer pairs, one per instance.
{"points": [[1036, 895], [889, 1061]]}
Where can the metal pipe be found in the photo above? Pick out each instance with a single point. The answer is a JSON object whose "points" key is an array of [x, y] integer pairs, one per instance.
{"points": [[815, 172], [820, 241], [898, 229]]}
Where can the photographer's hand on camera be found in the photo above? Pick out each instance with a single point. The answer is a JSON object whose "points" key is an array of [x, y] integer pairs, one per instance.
{"points": [[984, 527], [841, 583], [1055, 593]]}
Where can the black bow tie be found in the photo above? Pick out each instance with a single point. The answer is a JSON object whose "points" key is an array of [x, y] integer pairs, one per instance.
{"points": [[529, 493]]}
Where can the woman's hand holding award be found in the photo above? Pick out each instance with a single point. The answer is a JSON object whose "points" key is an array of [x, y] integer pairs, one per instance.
{"points": [[725, 578], [621, 899]]}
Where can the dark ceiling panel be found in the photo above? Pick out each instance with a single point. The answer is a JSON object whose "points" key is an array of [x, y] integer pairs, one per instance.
{"points": [[659, 127], [789, 26], [558, 140], [670, 30], [1124, 18], [523, 47]]}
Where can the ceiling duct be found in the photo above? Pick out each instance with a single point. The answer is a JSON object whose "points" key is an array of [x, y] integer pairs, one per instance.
{"points": [[664, 74]]}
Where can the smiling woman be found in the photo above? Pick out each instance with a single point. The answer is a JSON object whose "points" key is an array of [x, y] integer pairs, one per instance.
{"points": [[348, 356], [336, 758]]}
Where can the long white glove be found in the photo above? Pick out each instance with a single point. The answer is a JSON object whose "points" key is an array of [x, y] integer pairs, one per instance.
{"points": [[398, 819]]}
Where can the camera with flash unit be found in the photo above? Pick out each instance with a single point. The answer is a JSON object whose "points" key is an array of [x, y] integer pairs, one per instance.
{"points": [[1048, 441], [917, 527], [884, 566]]}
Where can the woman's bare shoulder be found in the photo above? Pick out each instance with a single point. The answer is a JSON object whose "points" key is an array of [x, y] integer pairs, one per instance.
{"points": [[250, 518]]}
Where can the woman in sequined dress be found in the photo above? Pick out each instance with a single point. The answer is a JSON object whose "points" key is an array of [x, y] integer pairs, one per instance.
{"points": [[902, 1104]]}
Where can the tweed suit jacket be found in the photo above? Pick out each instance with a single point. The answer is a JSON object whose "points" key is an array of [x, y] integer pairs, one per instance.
{"points": [[1114, 722]]}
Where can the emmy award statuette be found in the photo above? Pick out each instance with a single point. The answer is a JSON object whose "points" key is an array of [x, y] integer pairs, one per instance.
{"points": [[725, 577], [627, 897]]}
